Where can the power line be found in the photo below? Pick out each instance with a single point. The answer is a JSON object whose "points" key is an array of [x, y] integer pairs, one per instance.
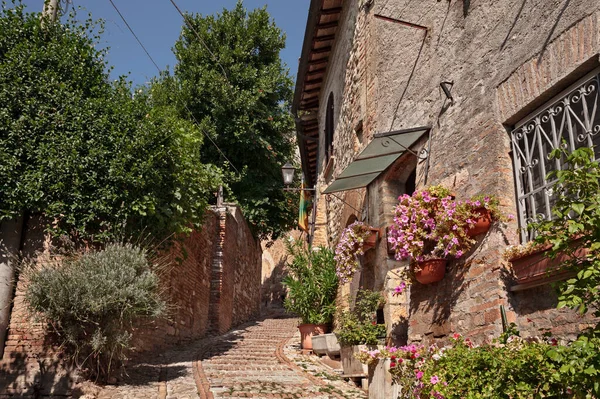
{"points": [[182, 102], [191, 27]]}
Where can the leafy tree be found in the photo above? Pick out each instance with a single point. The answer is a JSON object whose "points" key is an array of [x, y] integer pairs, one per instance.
{"points": [[230, 76], [97, 161]]}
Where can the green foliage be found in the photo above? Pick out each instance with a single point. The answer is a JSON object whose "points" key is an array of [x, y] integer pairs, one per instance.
{"points": [[512, 367], [93, 299], [97, 161], [312, 283], [232, 80], [515, 368], [575, 228], [359, 325]]}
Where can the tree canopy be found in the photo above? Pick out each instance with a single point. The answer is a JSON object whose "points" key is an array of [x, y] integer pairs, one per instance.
{"points": [[230, 77], [96, 160]]}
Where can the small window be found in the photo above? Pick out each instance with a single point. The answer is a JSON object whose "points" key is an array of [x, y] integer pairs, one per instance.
{"points": [[329, 128], [572, 118]]}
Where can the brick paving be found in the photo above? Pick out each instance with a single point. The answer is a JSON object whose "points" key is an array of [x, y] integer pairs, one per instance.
{"points": [[258, 360]]}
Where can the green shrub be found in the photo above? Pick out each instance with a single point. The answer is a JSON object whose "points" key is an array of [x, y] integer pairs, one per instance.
{"points": [[312, 283], [99, 161], [359, 325], [92, 301]]}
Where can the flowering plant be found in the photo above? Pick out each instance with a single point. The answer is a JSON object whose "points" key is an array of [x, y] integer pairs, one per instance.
{"points": [[471, 209], [351, 244], [518, 251], [515, 367], [430, 224]]}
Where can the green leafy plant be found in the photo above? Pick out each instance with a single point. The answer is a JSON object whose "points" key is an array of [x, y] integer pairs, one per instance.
{"points": [[311, 282], [575, 226], [93, 299], [229, 74], [510, 367], [99, 160], [358, 326]]}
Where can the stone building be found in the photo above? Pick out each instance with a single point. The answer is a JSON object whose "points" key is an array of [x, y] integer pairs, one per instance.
{"points": [[459, 83]]}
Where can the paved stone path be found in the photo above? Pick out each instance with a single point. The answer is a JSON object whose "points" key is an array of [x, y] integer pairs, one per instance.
{"points": [[258, 360]]}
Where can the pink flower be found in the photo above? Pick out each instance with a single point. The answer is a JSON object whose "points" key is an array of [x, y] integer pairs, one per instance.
{"points": [[418, 374], [398, 290], [434, 379], [459, 253], [456, 335]]}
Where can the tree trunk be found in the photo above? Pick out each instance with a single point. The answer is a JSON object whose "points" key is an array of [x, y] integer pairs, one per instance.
{"points": [[10, 242]]}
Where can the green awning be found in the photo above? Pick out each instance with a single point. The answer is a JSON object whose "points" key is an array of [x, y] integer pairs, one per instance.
{"points": [[380, 154]]}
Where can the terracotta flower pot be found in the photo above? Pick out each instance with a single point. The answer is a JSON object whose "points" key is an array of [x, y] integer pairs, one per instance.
{"points": [[536, 267], [371, 241], [307, 331], [482, 224], [432, 271]]}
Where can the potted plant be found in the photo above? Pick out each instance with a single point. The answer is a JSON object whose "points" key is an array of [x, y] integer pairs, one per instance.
{"points": [[355, 240], [312, 288], [357, 328], [429, 227], [567, 244], [479, 212]]}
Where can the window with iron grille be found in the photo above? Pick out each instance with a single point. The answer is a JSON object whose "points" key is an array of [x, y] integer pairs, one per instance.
{"points": [[571, 120]]}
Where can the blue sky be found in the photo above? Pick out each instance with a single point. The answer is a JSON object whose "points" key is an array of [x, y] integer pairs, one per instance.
{"points": [[157, 23]]}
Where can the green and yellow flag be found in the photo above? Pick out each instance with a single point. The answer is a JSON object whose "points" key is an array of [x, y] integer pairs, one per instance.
{"points": [[303, 215]]}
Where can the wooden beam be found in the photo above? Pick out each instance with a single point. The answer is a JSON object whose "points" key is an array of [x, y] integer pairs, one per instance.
{"points": [[321, 50], [324, 38], [327, 25], [309, 107], [313, 82], [329, 11], [312, 91], [315, 72], [319, 61]]}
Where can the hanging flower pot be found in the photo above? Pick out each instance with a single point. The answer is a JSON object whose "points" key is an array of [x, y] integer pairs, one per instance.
{"points": [[371, 241], [483, 221], [356, 239], [430, 271]]}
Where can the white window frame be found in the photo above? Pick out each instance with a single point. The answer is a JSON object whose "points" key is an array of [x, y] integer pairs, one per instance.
{"points": [[573, 116]]}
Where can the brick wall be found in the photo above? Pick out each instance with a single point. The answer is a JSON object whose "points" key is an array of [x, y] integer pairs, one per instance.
{"points": [[505, 58], [223, 256]]}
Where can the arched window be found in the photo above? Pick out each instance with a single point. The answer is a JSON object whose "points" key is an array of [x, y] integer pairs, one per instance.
{"points": [[329, 128]]}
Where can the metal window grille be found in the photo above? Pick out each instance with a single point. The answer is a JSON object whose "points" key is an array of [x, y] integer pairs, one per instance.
{"points": [[571, 120]]}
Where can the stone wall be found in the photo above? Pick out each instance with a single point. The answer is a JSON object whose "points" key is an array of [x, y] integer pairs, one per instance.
{"points": [[504, 59], [222, 255], [244, 254], [274, 260]]}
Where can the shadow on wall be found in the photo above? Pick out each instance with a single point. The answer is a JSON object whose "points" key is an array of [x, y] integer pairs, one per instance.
{"points": [[438, 299], [273, 291], [46, 375]]}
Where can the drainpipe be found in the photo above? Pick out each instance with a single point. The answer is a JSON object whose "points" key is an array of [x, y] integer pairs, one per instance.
{"points": [[10, 243]]}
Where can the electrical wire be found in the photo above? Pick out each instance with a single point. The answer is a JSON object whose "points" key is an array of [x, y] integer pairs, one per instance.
{"points": [[191, 27], [182, 102]]}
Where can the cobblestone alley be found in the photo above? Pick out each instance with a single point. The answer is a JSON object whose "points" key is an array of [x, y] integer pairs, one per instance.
{"points": [[257, 360]]}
